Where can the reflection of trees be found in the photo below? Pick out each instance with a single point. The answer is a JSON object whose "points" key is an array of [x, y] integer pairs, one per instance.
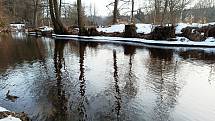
{"points": [[130, 88], [81, 106], [74, 46], [57, 94], [211, 77], [198, 55], [116, 85], [163, 82], [14, 51], [161, 54]]}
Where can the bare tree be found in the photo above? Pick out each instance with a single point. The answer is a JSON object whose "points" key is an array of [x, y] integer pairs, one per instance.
{"points": [[164, 12], [168, 11], [36, 6], [132, 12], [54, 12], [115, 11], [2, 16], [60, 7], [80, 16]]}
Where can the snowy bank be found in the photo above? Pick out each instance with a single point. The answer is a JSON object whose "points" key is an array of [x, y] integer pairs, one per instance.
{"points": [[9, 118], [147, 28], [179, 41], [141, 28], [181, 26], [3, 109]]}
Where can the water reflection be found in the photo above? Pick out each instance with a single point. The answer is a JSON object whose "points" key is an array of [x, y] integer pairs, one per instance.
{"points": [[211, 77], [59, 100], [116, 85], [161, 54], [14, 52], [61, 80], [82, 101], [19, 35], [163, 81], [201, 55]]}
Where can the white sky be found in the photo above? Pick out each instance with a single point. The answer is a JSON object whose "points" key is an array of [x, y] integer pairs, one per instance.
{"points": [[101, 8]]}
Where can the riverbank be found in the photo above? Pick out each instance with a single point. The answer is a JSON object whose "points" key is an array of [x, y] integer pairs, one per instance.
{"points": [[6, 115], [182, 35], [174, 42]]}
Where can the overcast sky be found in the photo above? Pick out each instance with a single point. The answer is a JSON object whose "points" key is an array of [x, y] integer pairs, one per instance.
{"points": [[101, 8]]}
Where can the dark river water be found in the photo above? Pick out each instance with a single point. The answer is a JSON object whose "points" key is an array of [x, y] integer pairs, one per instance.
{"points": [[68, 80]]}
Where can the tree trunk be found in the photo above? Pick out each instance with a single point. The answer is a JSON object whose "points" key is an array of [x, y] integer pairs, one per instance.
{"points": [[132, 13], [115, 12], [172, 13], [54, 12], [36, 4], [82, 30], [130, 31], [164, 12], [60, 7]]}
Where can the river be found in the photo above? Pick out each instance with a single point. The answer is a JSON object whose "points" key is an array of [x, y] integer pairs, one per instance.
{"points": [[69, 80]]}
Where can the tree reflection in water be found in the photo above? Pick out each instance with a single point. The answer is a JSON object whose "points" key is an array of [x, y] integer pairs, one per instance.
{"points": [[116, 85], [81, 107], [130, 88], [161, 81], [211, 77], [58, 95]]}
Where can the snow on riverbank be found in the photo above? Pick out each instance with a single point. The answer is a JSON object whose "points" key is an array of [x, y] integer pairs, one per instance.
{"points": [[112, 28], [179, 42], [180, 26], [141, 28], [147, 28], [9, 118], [3, 109]]}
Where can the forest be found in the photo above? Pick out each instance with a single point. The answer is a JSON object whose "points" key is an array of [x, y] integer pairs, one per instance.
{"points": [[36, 13]]}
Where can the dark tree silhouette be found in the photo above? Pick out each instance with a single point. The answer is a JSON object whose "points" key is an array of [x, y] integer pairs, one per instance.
{"points": [[115, 11], [80, 16], [55, 16]]}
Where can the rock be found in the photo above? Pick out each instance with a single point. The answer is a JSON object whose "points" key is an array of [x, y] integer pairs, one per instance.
{"points": [[211, 32], [193, 34], [163, 33]]}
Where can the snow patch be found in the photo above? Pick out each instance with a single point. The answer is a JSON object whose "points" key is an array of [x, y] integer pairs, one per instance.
{"points": [[46, 28], [182, 39], [141, 28], [10, 118], [3, 109], [147, 28], [210, 39], [113, 28], [180, 26], [144, 28]]}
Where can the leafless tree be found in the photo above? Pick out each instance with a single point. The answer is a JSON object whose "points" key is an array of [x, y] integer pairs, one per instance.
{"points": [[115, 11], [56, 18], [36, 6], [80, 16]]}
